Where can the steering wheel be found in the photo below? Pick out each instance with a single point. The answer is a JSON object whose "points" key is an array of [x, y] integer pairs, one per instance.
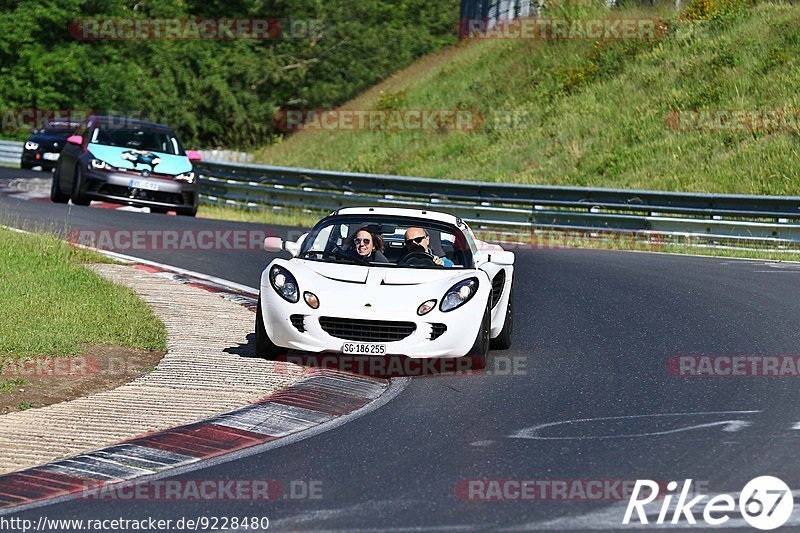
{"points": [[333, 252], [417, 258]]}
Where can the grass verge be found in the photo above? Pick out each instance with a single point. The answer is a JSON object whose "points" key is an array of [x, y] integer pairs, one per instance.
{"points": [[277, 217], [593, 113], [52, 304]]}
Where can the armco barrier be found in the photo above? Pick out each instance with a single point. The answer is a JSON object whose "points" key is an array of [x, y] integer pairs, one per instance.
{"points": [[722, 217], [10, 152], [716, 217]]}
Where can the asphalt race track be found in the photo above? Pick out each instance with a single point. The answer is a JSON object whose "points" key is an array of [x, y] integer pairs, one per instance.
{"points": [[593, 333]]}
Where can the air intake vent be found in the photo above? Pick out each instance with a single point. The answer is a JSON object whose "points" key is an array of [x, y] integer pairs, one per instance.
{"points": [[497, 287], [366, 330], [437, 330], [297, 322]]}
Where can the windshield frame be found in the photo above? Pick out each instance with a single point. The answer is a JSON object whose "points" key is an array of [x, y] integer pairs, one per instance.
{"points": [[399, 221]]}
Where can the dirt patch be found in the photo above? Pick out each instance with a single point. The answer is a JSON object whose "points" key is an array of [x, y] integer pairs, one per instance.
{"points": [[56, 379]]}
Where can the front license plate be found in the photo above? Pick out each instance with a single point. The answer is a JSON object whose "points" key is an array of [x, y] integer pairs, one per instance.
{"points": [[363, 348], [50, 156], [146, 185]]}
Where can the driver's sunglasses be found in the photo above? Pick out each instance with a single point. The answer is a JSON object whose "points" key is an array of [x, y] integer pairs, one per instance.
{"points": [[359, 241], [417, 240]]}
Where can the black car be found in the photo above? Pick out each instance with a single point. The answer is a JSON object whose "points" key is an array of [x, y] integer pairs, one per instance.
{"points": [[44, 147], [130, 162]]}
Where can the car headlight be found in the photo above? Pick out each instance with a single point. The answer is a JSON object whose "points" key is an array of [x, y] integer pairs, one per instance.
{"points": [[31, 145], [459, 294], [187, 177], [100, 165], [284, 284]]}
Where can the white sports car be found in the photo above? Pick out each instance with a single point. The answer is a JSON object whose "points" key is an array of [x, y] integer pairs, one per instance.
{"points": [[441, 294]]}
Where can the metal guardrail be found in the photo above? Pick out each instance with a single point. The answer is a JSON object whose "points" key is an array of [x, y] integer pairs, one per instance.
{"points": [[11, 152], [722, 217], [714, 217]]}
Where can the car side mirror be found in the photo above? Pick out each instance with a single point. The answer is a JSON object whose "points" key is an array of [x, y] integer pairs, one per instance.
{"points": [[273, 244], [194, 155], [75, 139], [503, 258]]}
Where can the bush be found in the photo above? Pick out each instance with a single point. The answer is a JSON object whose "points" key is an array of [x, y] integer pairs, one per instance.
{"points": [[212, 92], [715, 9]]}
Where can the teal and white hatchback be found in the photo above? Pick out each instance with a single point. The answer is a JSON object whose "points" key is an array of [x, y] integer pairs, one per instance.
{"points": [[130, 162]]}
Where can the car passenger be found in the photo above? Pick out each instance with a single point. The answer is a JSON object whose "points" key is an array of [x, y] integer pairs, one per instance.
{"points": [[368, 246], [418, 240]]}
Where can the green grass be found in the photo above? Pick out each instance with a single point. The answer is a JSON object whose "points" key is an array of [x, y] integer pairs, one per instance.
{"points": [[52, 304], [12, 384], [767, 255], [591, 113], [277, 217]]}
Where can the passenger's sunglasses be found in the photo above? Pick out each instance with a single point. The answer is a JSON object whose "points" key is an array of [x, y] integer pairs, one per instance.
{"points": [[359, 241], [417, 240]]}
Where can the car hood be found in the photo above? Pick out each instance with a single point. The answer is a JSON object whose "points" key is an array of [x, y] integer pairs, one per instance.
{"points": [[362, 291], [48, 140], [384, 275], [132, 159]]}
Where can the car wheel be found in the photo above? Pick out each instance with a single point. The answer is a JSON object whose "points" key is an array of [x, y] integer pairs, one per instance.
{"points": [[187, 213], [503, 340], [55, 190], [24, 165], [480, 350], [264, 345], [76, 196], [161, 210]]}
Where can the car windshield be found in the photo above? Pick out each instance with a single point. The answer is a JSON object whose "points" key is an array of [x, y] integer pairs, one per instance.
{"points": [[139, 139], [333, 240]]}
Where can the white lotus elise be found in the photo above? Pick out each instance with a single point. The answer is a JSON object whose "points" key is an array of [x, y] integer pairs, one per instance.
{"points": [[441, 293]]}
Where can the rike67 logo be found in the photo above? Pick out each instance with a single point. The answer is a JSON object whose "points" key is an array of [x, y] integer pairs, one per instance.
{"points": [[765, 503]]}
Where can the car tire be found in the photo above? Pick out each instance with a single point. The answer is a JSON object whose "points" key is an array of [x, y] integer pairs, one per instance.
{"points": [[56, 195], [25, 166], [264, 346], [503, 340], [76, 196], [480, 350], [162, 210], [187, 213]]}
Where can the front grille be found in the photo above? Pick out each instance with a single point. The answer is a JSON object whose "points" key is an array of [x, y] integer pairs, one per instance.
{"points": [[437, 330], [297, 322], [366, 330], [497, 287], [141, 194]]}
